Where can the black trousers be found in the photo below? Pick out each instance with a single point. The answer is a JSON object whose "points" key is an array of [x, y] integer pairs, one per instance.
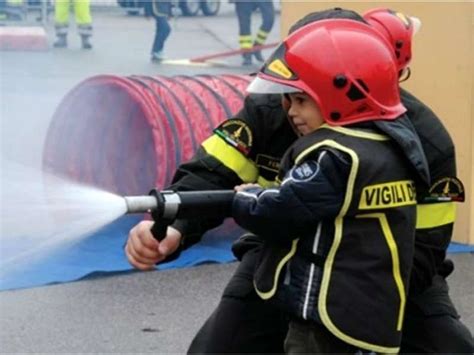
{"points": [[162, 31], [244, 10], [432, 324], [243, 323], [312, 338]]}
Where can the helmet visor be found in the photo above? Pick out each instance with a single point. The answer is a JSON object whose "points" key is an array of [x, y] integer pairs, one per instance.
{"points": [[416, 24], [264, 86]]}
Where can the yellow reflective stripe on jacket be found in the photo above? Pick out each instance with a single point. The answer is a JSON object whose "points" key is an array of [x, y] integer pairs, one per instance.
{"points": [[435, 214], [269, 294], [266, 183], [357, 132], [392, 246], [231, 158]]}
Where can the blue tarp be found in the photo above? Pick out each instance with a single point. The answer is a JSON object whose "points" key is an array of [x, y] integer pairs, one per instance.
{"points": [[455, 248], [102, 254]]}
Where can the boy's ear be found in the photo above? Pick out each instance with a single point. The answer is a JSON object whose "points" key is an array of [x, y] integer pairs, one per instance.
{"points": [[285, 102]]}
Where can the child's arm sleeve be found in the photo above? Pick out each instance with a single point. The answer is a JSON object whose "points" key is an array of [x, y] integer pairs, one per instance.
{"points": [[312, 191]]}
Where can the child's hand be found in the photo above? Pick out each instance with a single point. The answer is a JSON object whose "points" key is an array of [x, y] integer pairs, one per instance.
{"points": [[242, 187]]}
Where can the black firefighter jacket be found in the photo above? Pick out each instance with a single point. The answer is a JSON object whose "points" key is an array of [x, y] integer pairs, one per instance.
{"points": [[339, 232]]}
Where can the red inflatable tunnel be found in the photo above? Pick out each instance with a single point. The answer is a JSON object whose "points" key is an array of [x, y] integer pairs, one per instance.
{"points": [[128, 134]]}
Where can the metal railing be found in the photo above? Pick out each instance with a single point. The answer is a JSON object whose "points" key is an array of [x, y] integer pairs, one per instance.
{"points": [[26, 12]]}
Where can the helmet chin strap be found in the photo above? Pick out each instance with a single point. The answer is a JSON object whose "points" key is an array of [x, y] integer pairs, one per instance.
{"points": [[404, 75]]}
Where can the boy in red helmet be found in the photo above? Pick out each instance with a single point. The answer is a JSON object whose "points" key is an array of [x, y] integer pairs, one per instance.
{"points": [[339, 231]]}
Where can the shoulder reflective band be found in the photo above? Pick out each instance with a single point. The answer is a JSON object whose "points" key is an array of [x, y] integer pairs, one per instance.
{"points": [[435, 215], [266, 183], [231, 158]]}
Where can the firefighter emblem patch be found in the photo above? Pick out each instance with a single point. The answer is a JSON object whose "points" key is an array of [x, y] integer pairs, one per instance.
{"points": [[236, 133], [305, 171], [446, 189]]}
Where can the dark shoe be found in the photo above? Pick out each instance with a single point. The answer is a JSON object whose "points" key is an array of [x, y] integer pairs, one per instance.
{"points": [[247, 59], [86, 44], [61, 42], [258, 55]]}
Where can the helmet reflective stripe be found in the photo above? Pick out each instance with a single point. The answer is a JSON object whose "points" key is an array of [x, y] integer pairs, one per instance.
{"points": [[264, 86]]}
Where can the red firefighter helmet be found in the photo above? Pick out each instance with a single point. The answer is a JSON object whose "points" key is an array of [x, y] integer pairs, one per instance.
{"points": [[345, 66], [398, 29]]}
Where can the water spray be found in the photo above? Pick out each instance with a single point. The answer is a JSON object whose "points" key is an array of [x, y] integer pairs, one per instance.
{"points": [[166, 206]]}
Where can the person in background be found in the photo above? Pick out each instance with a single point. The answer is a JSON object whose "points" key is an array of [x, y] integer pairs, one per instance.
{"points": [[242, 322], [244, 10], [161, 12], [83, 21], [12, 10]]}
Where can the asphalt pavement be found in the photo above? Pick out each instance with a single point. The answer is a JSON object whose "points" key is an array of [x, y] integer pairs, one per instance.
{"points": [[140, 312], [136, 312]]}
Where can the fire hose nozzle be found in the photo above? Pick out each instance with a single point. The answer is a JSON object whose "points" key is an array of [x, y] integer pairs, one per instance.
{"points": [[166, 206], [141, 204]]}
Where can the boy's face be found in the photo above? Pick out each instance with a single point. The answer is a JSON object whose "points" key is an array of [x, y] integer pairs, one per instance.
{"points": [[303, 113]]}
